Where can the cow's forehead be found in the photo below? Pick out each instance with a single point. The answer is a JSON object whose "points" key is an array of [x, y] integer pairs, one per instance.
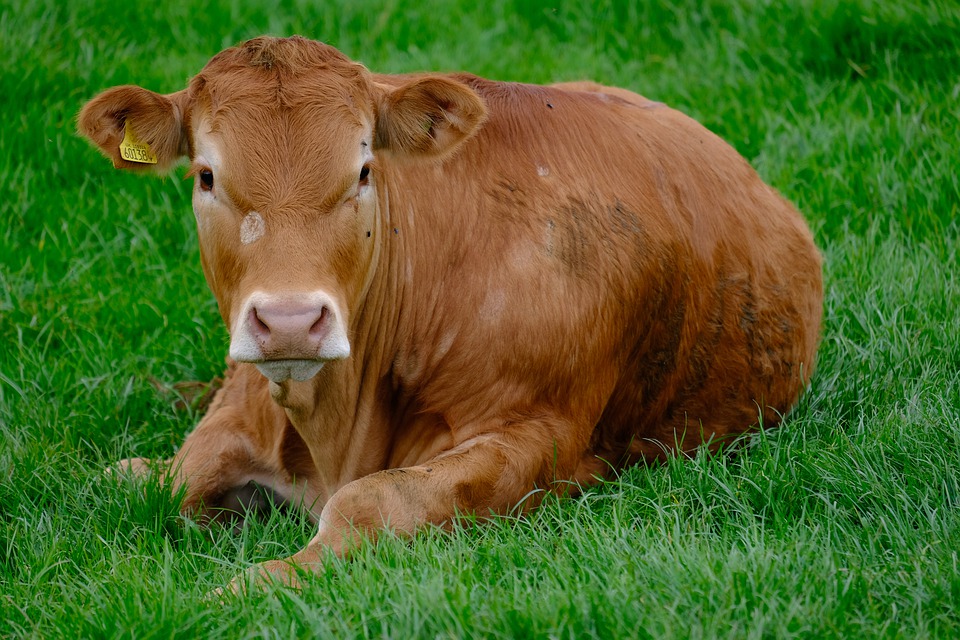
{"points": [[286, 126], [309, 128]]}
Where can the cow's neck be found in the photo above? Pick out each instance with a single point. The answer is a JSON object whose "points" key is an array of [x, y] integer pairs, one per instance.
{"points": [[343, 412]]}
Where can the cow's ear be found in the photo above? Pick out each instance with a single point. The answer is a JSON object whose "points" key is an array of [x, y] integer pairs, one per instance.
{"points": [[428, 117], [136, 128]]}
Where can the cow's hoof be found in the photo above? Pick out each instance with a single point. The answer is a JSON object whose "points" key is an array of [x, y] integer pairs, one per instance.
{"points": [[260, 577], [130, 468]]}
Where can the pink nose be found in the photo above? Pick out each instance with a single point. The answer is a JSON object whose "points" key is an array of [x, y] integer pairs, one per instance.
{"points": [[289, 330]]}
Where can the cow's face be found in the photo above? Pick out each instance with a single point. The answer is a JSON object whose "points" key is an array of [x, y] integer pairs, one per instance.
{"points": [[284, 138]]}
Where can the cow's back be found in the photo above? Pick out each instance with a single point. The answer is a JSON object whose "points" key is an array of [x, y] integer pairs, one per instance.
{"points": [[594, 251]]}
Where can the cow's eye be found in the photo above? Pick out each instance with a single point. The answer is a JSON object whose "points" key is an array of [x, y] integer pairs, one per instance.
{"points": [[364, 175], [206, 179]]}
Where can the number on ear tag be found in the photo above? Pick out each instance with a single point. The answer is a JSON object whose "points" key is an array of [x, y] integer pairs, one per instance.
{"points": [[132, 150]]}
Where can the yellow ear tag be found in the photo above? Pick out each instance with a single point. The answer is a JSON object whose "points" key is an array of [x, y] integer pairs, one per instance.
{"points": [[132, 150]]}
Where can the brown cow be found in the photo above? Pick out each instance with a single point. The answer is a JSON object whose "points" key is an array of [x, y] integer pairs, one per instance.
{"points": [[446, 293]]}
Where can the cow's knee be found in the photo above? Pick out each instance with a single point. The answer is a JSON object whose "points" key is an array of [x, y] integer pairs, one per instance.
{"points": [[386, 500]]}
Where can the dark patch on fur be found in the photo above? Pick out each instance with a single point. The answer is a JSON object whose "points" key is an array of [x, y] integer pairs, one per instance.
{"points": [[624, 220], [573, 244], [668, 312]]}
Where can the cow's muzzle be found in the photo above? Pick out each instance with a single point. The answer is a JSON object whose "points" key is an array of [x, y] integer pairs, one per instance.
{"points": [[289, 335]]}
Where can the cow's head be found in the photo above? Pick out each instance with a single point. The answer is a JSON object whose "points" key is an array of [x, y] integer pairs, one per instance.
{"points": [[284, 137]]}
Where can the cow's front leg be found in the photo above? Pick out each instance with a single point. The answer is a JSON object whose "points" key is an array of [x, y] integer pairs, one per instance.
{"points": [[244, 437], [491, 474], [215, 461], [214, 467]]}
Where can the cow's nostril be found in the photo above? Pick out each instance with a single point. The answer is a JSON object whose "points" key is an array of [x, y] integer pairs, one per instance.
{"points": [[318, 327], [257, 324]]}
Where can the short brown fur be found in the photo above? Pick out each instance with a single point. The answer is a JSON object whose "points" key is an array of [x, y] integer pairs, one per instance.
{"points": [[553, 282]]}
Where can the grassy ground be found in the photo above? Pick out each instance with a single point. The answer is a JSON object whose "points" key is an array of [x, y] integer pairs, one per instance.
{"points": [[841, 523]]}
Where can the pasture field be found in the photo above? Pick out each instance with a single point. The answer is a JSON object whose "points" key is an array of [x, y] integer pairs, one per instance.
{"points": [[842, 523]]}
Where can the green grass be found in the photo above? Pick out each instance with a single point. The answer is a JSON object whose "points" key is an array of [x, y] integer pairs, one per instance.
{"points": [[844, 522]]}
